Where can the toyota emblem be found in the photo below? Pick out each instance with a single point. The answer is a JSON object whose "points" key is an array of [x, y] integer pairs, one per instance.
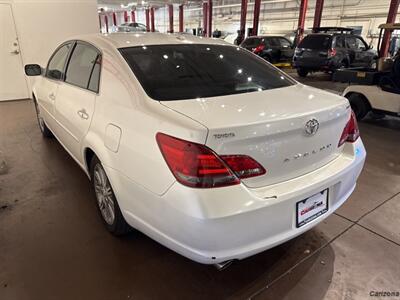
{"points": [[312, 126]]}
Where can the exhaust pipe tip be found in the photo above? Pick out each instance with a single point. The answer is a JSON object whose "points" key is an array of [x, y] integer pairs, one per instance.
{"points": [[223, 265]]}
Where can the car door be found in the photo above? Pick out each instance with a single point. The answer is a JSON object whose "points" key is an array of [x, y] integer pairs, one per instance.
{"points": [[275, 49], [287, 50], [366, 55], [356, 51], [47, 88], [76, 97]]}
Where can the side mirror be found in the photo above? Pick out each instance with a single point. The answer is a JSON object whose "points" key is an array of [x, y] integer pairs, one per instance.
{"points": [[33, 70], [54, 74]]}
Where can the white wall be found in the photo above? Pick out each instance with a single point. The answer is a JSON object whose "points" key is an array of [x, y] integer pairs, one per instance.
{"points": [[43, 24]]}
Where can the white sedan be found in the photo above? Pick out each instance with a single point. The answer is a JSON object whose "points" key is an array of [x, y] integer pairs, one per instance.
{"points": [[201, 145]]}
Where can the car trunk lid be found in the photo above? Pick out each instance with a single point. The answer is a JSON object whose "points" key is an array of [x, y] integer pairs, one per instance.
{"points": [[270, 126]]}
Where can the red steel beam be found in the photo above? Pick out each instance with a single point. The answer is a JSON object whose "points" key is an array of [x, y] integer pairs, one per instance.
{"points": [[171, 18], [209, 15], [319, 6], [256, 17], [106, 22], [114, 15], [391, 18], [147, 12], [133, 17], [302, 20], [125, 16], [205, 18], [243, 15], [152, 28], [181, 18]]}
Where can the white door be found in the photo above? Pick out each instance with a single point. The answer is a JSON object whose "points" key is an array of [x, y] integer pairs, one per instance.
{"points": [[12, 78]]}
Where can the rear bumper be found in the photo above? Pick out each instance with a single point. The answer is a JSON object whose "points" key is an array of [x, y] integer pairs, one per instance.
{"points": [[314, 63], [215, 225]]}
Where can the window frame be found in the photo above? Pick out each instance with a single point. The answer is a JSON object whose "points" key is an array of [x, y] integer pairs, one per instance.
{"points": [[65, 63], [99, 53]]}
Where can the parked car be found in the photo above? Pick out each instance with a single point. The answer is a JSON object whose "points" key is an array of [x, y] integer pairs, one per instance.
{"points": [[333, 49], [201, 145], [132, 27], [274, 49]]}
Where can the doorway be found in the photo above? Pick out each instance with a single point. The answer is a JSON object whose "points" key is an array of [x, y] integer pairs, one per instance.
{"points": [[13, 83]]}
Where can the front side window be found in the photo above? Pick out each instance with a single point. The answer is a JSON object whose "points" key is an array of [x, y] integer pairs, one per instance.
{"points": [[285, 43], [360, 44], [176, 72], [56, 65], [84, 67]]}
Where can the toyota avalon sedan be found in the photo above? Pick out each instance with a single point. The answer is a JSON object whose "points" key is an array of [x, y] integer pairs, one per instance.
{"points": [[203, 146]]}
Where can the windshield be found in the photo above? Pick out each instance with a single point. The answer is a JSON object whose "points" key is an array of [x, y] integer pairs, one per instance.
{"points": [[176, 72], [316, 41], [251, 42]]}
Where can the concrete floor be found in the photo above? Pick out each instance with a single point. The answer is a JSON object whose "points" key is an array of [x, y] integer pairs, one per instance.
{"points": [[53, 244]]}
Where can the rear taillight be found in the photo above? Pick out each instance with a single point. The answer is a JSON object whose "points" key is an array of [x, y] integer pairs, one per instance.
{"points": [[259, 48], [196, 165], [332, 52], [350, 132]]}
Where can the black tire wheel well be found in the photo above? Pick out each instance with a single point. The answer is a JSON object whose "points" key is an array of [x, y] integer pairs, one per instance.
{"points": [[89, 154], [359, 104]]}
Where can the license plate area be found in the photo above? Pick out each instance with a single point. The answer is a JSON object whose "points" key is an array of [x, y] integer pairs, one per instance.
{"points": [[311, 208]]}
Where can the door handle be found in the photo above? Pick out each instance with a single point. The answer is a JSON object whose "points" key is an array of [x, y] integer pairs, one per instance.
{"points": [[52, 96], [83, 114], [16, 51]]}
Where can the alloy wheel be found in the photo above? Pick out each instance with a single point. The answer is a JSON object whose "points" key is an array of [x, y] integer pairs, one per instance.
{"points": [[104, 194]]}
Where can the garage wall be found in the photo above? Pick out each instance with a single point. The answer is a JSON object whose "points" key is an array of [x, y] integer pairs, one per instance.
{"points": [[43, 25]]}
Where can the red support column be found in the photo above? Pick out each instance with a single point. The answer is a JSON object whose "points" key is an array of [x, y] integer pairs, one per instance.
{"points": [[114, 18], [256, 18], [133, 17], [302, 20], [106, 22], [319, 6], [171, 18], [147, 12], [243, 15], [393, 9], [125, 16], [152, 28], [210, 16], [205, 18], [181, 18]]}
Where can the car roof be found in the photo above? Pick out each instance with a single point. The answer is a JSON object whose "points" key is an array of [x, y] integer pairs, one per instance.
{"points": [[266, 36], [133, 39]]}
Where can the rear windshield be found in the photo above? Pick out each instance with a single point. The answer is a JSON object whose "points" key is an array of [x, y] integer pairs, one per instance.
{"points": [[316, 41], [176, 72], [252, 42]]}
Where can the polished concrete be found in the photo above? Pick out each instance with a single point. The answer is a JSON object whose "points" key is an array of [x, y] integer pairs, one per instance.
{"points": [[53, 244]]}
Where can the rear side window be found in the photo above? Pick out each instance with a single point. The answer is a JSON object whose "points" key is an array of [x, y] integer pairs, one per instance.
{"points": [[176, 72], [340, 42], [84, 67], [316, 41], [56, 65], [253, 42]]}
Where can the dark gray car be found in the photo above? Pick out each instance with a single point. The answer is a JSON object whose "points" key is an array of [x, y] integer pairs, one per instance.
{"points": [[332, 51]]}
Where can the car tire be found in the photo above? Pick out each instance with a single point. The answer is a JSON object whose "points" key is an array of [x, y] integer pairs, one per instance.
{"points": [[359, 104], [42, 125], [106, 201], [302, 72]]}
